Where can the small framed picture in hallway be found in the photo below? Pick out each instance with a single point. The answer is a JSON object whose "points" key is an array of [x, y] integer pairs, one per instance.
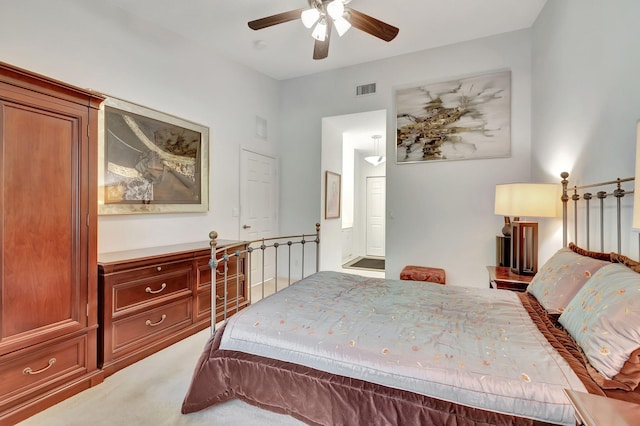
{"points": [[332, 195]]}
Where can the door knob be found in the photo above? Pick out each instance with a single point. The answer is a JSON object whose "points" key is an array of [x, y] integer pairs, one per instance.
{"points": [[246, 226]]}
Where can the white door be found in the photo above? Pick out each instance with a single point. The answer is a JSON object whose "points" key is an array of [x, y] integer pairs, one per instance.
{"points": [[375, 215], [258, 208]]}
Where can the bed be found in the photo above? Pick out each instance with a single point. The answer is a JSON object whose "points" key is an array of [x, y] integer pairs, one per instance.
{"points": [[344, 349]]}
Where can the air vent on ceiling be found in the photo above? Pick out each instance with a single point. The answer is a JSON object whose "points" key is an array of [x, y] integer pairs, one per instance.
{"points": [[366, 89]]}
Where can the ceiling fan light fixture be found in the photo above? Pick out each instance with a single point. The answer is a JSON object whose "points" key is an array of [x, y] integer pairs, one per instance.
{"points": [[335, 9], [342, 25], [320, 31], [322, 15], [375, 160], [310, 17]]}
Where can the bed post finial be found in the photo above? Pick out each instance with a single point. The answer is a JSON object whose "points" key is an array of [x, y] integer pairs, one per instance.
{"points": [[317, 246], [213, 243], [564, 198]]}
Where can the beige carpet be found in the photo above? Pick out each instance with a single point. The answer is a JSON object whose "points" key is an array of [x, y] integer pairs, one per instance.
{"points": [[150, 392]]}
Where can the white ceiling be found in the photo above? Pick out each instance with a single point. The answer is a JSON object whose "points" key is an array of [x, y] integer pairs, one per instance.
{"points": [[285, 51]]}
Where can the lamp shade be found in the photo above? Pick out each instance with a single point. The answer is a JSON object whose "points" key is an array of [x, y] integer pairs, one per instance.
{"points": [[375, 160], [310, 17], [320, 30], [341, 25], [335, 9], [527, 199]]}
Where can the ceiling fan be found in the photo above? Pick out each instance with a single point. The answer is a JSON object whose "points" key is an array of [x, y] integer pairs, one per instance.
{"points": [[326, 14]]}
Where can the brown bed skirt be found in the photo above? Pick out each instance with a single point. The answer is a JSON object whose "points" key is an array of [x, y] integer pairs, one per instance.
{"points": [[320, 398]]}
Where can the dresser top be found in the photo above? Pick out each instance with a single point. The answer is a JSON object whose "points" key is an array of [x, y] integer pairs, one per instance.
{"points": [[149, 252]]}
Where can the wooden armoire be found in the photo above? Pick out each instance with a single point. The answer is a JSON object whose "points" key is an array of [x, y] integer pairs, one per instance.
{"points": [[48, 242]]}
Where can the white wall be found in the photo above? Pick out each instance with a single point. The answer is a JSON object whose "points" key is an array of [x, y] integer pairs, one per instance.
{"points": [[331, 229], [348, 180], [439, 214], [586, 99], [63, 41]]}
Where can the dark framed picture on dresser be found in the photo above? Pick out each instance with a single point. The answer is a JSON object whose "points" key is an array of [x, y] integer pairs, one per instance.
{"points": [[150, 161]]}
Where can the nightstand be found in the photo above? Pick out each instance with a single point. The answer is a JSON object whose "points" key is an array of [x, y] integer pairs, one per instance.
{"points": [[502, 278], [596, 410]]}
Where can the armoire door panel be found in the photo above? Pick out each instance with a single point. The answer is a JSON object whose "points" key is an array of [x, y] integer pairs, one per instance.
{"points": [[40, 221]]}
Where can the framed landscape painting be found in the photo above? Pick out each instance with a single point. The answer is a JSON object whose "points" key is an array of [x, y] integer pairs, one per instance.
{"points": [[151, 162], [462, 119]]}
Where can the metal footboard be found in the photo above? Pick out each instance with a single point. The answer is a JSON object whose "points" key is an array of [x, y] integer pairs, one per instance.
{"points": [[280, 250]]}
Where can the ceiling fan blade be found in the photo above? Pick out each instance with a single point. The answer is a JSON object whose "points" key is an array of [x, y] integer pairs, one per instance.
{"points": [[371, 25], [321, 48], [279, 18]]}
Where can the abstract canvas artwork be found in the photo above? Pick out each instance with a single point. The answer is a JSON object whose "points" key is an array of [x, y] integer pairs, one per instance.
{"points": [[151, 162], [462, 119]]}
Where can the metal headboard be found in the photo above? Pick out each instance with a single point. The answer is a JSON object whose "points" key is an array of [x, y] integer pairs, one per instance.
{"points": [[578, 193]]}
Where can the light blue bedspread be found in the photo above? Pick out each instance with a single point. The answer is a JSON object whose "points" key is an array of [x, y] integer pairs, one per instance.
{"points": [[476, 347]]}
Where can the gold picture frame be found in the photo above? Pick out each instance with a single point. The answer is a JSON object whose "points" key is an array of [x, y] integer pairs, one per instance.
{"points": [[150, 161], [332, 195]]}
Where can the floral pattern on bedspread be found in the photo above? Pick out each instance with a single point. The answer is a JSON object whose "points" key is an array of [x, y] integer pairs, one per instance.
{"points": [[476, 347]]}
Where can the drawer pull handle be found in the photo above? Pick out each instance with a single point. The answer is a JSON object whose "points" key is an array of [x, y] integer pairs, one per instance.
{"points": [[226, 268], [28, 371], [221, 298], [153, 324], [159, 268], [148, 289]]}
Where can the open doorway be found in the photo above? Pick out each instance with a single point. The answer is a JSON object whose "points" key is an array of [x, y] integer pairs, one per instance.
{"points": [[360, 231]]}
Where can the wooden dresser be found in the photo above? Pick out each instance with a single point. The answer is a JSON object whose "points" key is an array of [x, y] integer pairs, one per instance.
{"points": [[152, 298], [48, 284]]}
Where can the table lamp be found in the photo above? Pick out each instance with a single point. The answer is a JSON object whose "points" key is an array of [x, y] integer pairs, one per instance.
{"points": [[525, 200]]}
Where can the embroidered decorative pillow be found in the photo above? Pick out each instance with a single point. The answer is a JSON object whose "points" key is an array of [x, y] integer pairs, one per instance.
{"points": [[604, 319], [560, 278]]}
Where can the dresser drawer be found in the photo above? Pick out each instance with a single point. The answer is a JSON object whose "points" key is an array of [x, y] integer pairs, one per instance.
{"points": [[232, 289], [132, 294], [40, 370], [231, 266], [152, 323], [154, 270], [204, 295], [203, 304]]}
